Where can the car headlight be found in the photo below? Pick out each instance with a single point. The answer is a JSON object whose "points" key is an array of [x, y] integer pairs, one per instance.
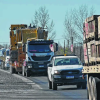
{"points": [[56, 72], [29, 65]]}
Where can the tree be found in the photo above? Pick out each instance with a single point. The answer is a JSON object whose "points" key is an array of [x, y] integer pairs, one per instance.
{"points": [[73, 23], [42, 19]]}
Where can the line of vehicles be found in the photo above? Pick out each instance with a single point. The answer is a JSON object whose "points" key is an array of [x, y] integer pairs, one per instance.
{"points": [[31, 53]]}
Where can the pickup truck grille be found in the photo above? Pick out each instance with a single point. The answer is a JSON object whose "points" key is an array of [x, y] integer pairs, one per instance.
{"points": [[36, 58], [67, 72]]}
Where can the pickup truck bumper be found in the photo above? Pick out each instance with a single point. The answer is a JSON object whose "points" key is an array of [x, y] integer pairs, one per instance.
{"points": [[77, 79]]}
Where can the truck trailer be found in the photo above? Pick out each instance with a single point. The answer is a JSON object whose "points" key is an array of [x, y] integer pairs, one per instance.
{"points": [[91, 45], [30, 51]]}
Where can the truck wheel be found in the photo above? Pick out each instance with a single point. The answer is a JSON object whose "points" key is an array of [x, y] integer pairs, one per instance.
{"points": [[84, 86], [87, 94], [27, 74], [54, 85], [90, 88], [96, 88], [23, 71], [78, 86], [50, 85], [12, 70]]}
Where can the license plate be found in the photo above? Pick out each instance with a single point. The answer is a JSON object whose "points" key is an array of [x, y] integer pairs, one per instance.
{"points": [[41, 65], [69, 77]]}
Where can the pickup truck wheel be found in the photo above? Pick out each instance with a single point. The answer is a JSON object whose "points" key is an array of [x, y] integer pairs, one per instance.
{"points": [[90, 88], [50, 85], [96, 88], [54, 85]]}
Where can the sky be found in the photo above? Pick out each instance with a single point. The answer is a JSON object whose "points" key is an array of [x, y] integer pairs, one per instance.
{"points": [[22, 12]]}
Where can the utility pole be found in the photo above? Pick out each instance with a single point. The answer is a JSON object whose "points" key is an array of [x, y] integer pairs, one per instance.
{"points": [[68, 43], [80, 50]]}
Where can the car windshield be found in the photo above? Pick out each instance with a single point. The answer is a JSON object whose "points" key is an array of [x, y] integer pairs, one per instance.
{"points": [[67, 61], [39, 48]]}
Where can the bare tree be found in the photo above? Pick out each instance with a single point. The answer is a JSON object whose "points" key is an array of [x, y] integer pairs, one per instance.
{"points": [[42, 19], [74, 20]]}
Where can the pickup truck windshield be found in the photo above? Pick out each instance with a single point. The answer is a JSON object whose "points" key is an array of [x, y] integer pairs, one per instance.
{"points": [[67, 61], [39, 48]]}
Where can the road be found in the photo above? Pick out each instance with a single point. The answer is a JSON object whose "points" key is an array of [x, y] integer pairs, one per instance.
{"points": [[17, 87], [68, 92]]}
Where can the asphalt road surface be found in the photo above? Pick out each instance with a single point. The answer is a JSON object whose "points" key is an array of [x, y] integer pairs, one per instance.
{"points": [[17, 87], [67, 92]]}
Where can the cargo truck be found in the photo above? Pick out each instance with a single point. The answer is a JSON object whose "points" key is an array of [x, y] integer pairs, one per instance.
{"points": [[30, 50], [91, 46]]}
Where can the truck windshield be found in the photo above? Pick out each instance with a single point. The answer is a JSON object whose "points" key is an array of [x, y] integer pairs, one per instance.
{"points": [[67, 61], [39, 48]]}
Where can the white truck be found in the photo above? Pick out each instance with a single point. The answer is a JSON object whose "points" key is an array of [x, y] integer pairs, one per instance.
{"points": [[65, 70], [38, 54]]}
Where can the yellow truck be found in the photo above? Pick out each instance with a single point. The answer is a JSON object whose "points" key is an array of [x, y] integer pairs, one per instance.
{"points": [[30, 51], [91, 47]]}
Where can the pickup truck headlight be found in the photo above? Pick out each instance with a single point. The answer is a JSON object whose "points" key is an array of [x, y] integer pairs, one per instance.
{"points": [[56, 72], [29, 65]]}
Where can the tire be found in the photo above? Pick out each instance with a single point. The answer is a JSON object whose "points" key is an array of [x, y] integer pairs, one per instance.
{"points": [[90, 88], [84, 86], [87, 94], [78, 86], [27, 74], [23, 71], [96, 88], [12, 70], [50, 84], [54, 85]]}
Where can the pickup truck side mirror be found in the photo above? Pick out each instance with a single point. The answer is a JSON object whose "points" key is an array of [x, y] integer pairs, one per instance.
{"points": [[49, 65]]}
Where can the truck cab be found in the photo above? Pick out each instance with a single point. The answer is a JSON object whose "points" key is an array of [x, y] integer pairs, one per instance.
{"points": [[38, 54]]}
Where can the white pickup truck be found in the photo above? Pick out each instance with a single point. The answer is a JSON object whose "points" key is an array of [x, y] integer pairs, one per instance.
{"points": [[65, 70]]}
